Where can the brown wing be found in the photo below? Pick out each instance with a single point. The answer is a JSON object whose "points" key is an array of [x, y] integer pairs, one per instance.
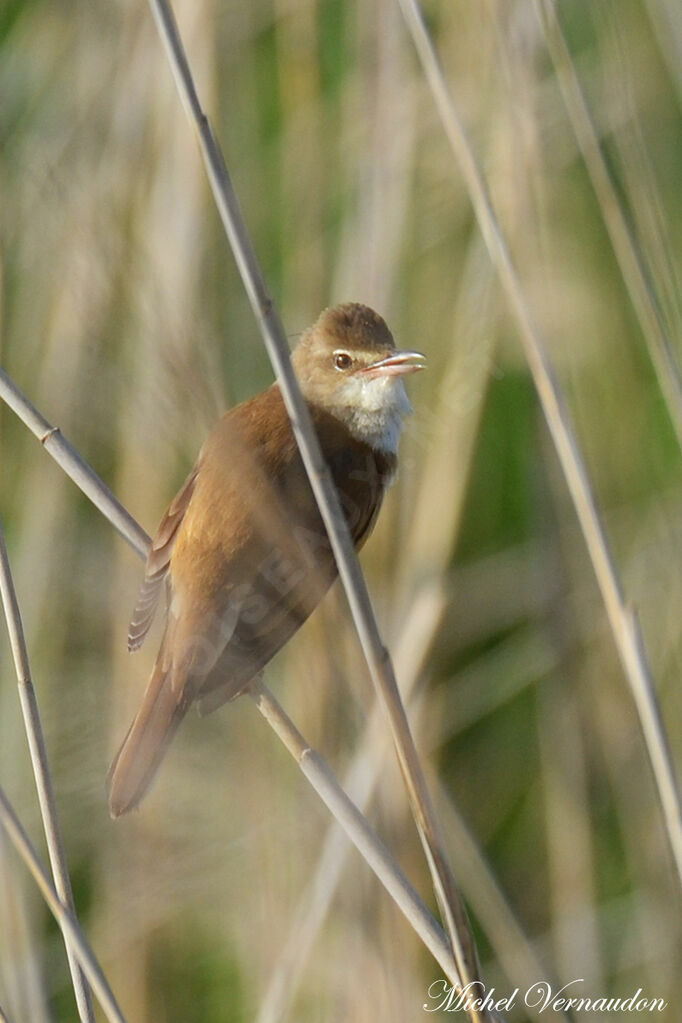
{"points": [[158, 562]]}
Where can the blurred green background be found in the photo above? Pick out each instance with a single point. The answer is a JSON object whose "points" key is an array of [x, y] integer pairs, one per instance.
{"points": [[123, 319]]}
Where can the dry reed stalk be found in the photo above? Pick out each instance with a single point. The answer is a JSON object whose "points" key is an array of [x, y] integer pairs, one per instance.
{"points": [[41, 771], [378, 658], [70, 927], [66, 456], [346, 813], [622, 616]]}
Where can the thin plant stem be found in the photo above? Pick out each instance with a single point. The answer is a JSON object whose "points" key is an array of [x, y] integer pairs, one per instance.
{"points": [[622, 617], [346, 813], [66, 456], [67, 922], [376, 654], [41, 771], [624, 246]]}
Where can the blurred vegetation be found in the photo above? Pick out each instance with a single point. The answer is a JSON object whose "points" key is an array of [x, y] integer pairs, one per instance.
{"points": [[123, 319]]}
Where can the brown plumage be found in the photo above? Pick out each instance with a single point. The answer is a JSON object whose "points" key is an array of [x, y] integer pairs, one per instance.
{"points": [[242, 551]]}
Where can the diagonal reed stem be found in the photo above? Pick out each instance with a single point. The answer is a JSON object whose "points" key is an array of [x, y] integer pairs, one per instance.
{"points": [[66, 456], [378, 658], [622, 617], [69, 925], [355, 824], [41, 771]]}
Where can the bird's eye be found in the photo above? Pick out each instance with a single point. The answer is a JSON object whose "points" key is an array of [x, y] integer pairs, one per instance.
{"points": [[342, 360]]}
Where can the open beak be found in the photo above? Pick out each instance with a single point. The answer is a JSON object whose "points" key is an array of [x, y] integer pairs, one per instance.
{"points": [[396, 364]]}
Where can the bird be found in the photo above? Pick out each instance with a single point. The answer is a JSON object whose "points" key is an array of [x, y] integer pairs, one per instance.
{"points": [[242, 555]]}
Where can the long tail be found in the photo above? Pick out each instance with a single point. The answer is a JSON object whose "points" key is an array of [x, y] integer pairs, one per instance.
{"points": [[146, 742]]}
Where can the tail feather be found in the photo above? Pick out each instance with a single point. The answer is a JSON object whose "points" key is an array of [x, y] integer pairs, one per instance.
{"points": [[146, 742]]}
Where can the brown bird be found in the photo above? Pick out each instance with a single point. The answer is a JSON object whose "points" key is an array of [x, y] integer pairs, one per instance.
{"points": [[242, 551]]}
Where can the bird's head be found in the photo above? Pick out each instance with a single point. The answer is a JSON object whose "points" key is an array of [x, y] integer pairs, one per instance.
{"points": [[347, 363]]}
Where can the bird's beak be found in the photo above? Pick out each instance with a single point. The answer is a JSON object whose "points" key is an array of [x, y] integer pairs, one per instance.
{"points": [[396, 364]]}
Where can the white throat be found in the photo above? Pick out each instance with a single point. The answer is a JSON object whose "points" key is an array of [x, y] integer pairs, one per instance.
{"points": [[373, 409]]}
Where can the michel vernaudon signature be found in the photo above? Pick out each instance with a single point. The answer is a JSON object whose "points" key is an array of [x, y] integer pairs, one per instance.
{"points": [[540, 996]]}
